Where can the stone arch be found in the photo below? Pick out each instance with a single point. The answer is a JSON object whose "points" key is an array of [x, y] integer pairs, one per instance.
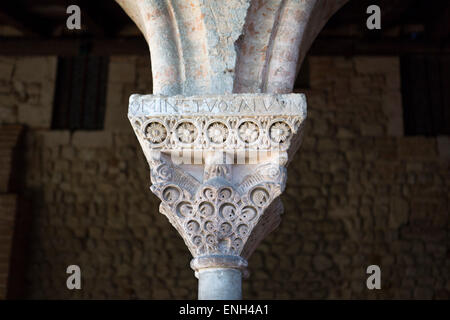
{"points": [[236, 46], [282, 31]]}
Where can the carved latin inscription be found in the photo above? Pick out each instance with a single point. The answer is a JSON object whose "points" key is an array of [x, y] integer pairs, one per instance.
{"points": [[232, 104]]}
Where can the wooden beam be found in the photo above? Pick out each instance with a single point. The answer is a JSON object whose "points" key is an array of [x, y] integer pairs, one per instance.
{"points": [[93, 18], [17, 17], [396, 13], [388, 47], [39, 47], [72, 46], [439, 25], [138, 46], [102, 18]]}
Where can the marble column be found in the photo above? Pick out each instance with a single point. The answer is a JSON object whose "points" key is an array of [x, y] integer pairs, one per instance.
{"points": [[222, 124]]}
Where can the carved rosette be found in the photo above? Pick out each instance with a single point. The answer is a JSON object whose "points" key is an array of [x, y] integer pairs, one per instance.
{"points": [[221, 207], [169, 133]]}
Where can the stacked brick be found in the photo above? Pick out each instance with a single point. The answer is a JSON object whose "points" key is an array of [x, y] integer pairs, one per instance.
{"points": [[9, 135]]}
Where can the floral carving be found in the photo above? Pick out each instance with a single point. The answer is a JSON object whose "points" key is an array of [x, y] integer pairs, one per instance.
{"points": [[193, 226], [171, 194], [155, 132], [218, 132], [228, 211], [249, 213], [225, 194], [206, 209], [217, 170], [225, 228], [215, 219], [248, 131], [260, 197], [186, 132], [184, 209], [162, 173], [168, 133], [280, 132]]}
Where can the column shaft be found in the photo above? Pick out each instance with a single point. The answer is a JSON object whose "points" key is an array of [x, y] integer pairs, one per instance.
{"points": [[219, 284]]}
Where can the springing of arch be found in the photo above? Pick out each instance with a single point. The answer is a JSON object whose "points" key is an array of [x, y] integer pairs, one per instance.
{"points": [[235, 46]]}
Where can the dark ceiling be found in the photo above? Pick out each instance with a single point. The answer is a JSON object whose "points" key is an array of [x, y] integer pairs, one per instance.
{"points": [[48, 17], [417, 25]]}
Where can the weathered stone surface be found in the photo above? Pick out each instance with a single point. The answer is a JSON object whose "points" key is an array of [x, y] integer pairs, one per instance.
{"points": [[443, 143], [195, 49], [387, 66], [191, 46], [92, 139], [121, 72], [220, 284], [277, 35], [34, 116], [399, 213], [6, 68], [392, 106], [219, 105], [221, 207], [27, 90], [322, 263], [34, 69], [55, 138]]}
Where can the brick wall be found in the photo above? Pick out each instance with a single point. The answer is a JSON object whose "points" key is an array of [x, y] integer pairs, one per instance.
{"points": [[26, 90], [8, 205], [9, 135], [359, 193]]}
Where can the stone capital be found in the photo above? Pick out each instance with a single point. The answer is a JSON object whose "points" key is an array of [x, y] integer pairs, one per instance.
{"points": [[218, 164], [222, 126]]}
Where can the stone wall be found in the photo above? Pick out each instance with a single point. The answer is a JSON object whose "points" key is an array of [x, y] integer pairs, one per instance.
{"points": [[359, 193], [9, 206], [27, 87]]}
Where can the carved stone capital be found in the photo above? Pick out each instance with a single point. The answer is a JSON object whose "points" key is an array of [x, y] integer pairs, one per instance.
{"points": [[218, 164]]}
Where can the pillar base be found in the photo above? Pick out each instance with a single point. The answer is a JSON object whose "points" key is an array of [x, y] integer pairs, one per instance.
{"points": [[216, 261]]}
